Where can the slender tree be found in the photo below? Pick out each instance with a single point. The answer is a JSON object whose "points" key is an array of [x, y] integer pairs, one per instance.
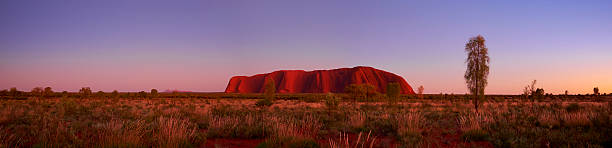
{"points": [[596, 91], [477, 67]]}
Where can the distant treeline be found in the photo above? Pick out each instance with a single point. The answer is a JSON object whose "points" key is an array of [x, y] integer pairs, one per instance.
{"points": [[85, 92]]}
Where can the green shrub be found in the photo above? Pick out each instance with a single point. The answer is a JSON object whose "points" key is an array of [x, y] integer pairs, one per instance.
{"points": [[379, 126]]}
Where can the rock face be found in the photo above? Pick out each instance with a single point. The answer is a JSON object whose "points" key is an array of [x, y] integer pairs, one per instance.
{"points": [[318, 81]]}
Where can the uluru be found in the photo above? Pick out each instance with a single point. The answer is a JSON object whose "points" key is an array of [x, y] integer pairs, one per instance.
{"points": [[318, 81]]}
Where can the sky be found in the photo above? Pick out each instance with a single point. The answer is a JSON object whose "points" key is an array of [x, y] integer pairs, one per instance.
{"points": [[198, 46]]}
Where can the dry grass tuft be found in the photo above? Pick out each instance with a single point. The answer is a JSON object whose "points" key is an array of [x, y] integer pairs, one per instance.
{"points": [[410, 122], [474, 121], [121, 133], [579, 118], [362, 141], [174, 132]]}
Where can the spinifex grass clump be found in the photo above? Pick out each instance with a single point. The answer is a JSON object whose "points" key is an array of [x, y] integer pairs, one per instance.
{"points": [[344, 141]]}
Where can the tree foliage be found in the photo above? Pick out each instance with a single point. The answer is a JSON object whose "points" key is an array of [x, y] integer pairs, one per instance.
{"points": [[477, 70]]}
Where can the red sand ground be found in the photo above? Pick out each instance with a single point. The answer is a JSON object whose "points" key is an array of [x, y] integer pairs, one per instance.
{"points": [[380, 142], [232, 143], [318, 81]]}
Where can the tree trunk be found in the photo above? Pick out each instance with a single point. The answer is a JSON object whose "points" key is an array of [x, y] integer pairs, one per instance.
{"points": [[476, 95]]}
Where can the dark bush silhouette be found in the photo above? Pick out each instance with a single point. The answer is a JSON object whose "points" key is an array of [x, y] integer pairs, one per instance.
{"points": [[100, 94], [37, 91], [142, 94], [13, 92], [4, 92], [538, 94], [115, 94], [85, 92], [264, 103], [153, 93], [48, 92]]}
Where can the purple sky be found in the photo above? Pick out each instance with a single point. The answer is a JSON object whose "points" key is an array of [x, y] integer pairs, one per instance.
{"points": [[198, 45]]}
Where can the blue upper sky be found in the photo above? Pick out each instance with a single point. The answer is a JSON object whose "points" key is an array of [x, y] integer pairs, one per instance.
{"points": [[198, 45]]}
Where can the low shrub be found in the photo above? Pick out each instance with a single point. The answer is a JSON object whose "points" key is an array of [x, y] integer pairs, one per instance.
{"points": [[573, 107], [410, 139], [311, 99], [475, 135], [332, 102], [264, 103]]}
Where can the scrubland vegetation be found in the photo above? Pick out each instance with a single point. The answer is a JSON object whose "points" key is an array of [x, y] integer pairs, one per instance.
{"points": [[302, 120]]}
